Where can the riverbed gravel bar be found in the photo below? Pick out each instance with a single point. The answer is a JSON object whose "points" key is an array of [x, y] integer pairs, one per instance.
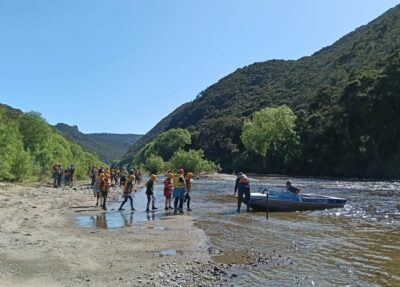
{"points": [[41, 244]]}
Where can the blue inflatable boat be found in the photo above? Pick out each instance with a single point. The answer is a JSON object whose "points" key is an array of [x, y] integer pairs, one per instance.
{"points": [[287, 201]]}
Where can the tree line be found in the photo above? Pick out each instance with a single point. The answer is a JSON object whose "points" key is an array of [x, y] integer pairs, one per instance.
{"points": [[29, 148]]}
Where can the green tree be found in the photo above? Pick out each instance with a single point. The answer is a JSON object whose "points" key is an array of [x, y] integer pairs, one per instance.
{"points": [[34, 130], [15, 163], [271, 130], [192, 160], [170, 141], [165, 145], [154, 164]]}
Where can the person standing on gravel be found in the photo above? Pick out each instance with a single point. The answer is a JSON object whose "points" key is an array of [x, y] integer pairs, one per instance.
{"points": [[128, 189], [93, 174], [55, 174], [60, 173], [71, 175]]}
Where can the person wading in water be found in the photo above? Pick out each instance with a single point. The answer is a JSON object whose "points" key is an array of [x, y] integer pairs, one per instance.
{"points": [[242, 187], [179, 191], [128, 189], [168, 188], [188, 180], [150, 192]]}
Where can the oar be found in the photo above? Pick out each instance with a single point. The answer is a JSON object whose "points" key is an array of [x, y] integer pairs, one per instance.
{"points": [[267, 204]]}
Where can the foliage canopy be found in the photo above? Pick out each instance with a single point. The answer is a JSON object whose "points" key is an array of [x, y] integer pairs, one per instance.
{"points": [[270, 130], [29, 147]]}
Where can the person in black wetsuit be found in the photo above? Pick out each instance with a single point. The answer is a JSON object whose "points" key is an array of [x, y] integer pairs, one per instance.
{"points": [[242, 187]]}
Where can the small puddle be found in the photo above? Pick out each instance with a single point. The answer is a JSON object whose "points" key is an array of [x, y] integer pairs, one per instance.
{"points": [[168, 252]]}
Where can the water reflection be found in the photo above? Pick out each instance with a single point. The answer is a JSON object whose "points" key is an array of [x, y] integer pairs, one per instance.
{"points": [[113, 219], [105, 220]]}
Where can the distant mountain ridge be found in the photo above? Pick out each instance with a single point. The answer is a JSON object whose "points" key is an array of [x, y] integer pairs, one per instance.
{"points": [[314, 87], [107, 146]]}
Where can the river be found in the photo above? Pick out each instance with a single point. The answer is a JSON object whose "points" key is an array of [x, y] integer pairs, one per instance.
{"points": [[357, 245], [354, 246]]}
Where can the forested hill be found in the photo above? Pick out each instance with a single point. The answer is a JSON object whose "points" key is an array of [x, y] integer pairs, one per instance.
{"points": [[345, 97], [29, 148], [107, 146]]}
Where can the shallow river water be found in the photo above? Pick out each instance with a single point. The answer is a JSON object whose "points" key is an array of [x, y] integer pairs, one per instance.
{"points": [[358, 245]]}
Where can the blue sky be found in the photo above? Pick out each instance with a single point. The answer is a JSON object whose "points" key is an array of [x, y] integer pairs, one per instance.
{"points": [[122, 65]]}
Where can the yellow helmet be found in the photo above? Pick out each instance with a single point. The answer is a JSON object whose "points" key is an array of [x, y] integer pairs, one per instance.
{"points": [[170, 175], [101, 175], [131, 177], [189, 175], [153, 177]]}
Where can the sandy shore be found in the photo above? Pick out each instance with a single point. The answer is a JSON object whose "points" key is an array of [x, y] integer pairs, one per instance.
{"points": [[41, 245]]}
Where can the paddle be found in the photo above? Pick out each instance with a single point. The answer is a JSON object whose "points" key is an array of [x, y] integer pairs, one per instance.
{"points": [[267, 205]]}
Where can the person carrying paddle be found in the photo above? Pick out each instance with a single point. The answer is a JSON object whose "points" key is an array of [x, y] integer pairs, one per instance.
{"points": [[242, 187]]}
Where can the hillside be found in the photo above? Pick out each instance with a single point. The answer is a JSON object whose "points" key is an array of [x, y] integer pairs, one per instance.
{"points": [[321, 89], [107, 146]]}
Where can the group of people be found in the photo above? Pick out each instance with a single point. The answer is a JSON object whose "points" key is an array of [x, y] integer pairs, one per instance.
{"points": [[242, 188], [118, 176], [177, 186], [59, 173]]}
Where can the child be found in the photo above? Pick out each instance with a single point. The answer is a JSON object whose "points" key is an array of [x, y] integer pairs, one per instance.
{"points": [[105, 188], [96, 189], [188, 180], [150, 192], [128, 188], [168, 188]]}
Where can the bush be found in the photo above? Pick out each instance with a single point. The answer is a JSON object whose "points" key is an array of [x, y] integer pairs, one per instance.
{"points": [[192, 160], [154, 164]]}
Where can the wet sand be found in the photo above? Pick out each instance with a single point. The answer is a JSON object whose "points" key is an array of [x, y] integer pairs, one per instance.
{"points": [[42, 245]]}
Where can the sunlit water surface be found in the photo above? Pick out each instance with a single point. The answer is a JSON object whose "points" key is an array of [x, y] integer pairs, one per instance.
{"points": [[357, 245]]}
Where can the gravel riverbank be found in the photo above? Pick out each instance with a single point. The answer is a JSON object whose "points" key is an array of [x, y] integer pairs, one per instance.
{"points": [[41, 244]]}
